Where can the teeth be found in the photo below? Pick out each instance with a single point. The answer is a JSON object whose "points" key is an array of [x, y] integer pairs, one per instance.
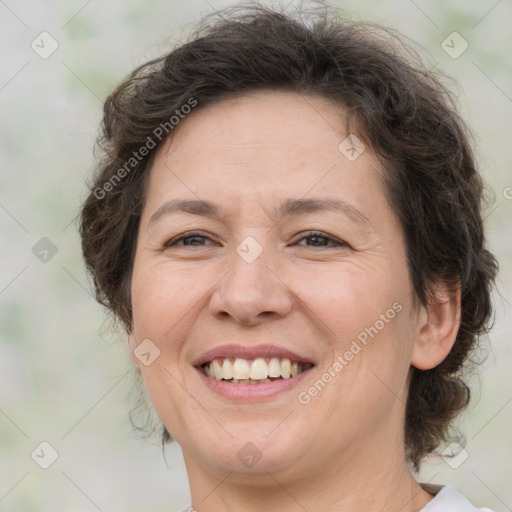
{"points": [[227, 369], [286, 368], [243, 371], [259, 369], [216, 370], [249, 381], [274, 367]]}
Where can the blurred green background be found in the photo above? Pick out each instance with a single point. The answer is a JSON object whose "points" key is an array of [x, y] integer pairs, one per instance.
{"points": [[63, 372]]}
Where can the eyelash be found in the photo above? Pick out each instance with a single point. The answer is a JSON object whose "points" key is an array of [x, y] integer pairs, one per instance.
{"points": [[307, 234]]}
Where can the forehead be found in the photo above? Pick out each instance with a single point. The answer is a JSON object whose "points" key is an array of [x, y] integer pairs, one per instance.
{"points": [[277, 118], [266, 145]]}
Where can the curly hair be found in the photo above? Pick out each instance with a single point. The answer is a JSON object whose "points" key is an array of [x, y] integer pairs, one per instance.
{"points": [[402, 111]]}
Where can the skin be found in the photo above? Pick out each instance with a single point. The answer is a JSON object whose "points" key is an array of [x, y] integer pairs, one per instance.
{"points": [[343, 450]]}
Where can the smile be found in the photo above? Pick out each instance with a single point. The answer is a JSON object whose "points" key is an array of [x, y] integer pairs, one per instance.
{"points": [[253, 371]]}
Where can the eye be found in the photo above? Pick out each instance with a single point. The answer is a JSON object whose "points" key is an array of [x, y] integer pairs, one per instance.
{"points": [[321, 239], [197, 239], [191, 238]]}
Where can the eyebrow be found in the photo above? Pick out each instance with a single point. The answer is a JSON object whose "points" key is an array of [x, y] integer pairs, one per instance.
{"points": [[289, 208]]}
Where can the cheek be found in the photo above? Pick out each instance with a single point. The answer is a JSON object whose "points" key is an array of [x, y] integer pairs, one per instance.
{"points": [[364, 314], [167, 394], [163, 300], [163, 303], [346, 298]]}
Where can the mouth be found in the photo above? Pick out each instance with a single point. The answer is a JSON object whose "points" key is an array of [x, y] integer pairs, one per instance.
{"points": [[253, 371]]}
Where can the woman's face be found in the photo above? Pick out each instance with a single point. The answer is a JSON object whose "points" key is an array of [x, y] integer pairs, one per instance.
{"points": [[251, 285]]}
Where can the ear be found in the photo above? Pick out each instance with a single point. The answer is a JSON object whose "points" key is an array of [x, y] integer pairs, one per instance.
{"points": [[439, 325]]}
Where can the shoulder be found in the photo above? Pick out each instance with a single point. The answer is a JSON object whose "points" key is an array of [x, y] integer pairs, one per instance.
{"points": [[448, 499]]}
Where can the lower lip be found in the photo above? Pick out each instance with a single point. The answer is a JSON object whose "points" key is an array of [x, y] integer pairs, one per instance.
{"points": [[251, 392]]}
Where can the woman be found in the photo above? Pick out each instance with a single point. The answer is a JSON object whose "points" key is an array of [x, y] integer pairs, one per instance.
{"points": [[286, 220]]}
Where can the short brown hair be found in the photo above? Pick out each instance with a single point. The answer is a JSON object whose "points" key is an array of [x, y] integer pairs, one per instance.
{"points": [[403, 112]]}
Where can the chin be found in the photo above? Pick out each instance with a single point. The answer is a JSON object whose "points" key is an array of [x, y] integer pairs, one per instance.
{"points": [[251, 449]]}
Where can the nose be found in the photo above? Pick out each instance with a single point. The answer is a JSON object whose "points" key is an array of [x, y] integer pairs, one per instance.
{"points": [[251, 293]]}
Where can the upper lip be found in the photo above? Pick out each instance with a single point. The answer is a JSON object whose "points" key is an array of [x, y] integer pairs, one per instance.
{"points": [[248, 352]]}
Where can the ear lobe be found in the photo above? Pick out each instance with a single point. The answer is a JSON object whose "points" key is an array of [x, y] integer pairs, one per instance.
{"points": [[439, 330]]}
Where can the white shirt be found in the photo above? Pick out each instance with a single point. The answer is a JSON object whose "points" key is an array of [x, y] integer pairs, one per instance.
{"points": [[447, 499]]}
